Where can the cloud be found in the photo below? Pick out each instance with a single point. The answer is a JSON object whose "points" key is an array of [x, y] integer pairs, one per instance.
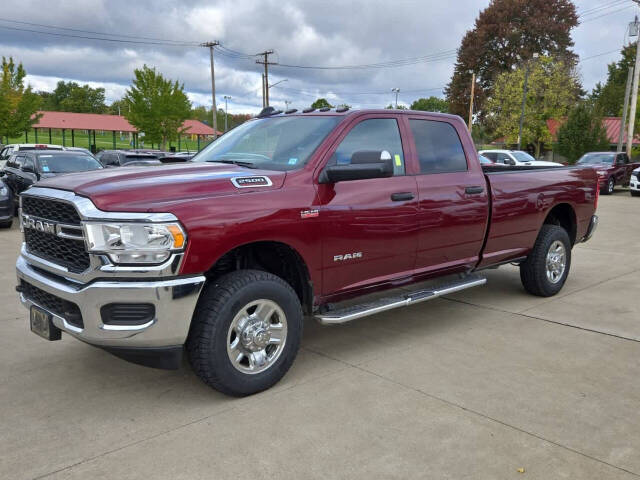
{"points": [[302, 32]]}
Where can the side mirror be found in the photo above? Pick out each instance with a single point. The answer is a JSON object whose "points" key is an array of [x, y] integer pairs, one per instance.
{"points": [[365, 164], [28, 169]]}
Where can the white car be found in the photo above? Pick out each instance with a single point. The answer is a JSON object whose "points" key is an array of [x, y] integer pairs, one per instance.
{"points": [[634, 183], [516, 158]]}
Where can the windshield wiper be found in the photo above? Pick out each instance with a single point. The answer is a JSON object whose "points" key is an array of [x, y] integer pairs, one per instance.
{"points": [[235, 162]]}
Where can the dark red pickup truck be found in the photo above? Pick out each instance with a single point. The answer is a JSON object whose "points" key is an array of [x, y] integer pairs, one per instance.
{"points": [[285, 216], [612, 168]]}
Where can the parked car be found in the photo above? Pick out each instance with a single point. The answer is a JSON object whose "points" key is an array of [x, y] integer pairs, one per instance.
{"points": [[634, 183], [79, 149], [515, 158], [129, 158], [6, 205], [287, 215], [27, 167], [9, 150], [612, 168]]}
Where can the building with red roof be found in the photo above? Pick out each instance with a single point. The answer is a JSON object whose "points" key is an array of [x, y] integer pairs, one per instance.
{"points": [[611, 124], [92, 122]]}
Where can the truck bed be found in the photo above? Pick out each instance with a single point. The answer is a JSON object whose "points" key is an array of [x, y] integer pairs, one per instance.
{"points": [[520, 199]]}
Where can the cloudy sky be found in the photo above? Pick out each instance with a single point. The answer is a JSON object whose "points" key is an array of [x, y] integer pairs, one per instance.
{"points": [[165, 34]]}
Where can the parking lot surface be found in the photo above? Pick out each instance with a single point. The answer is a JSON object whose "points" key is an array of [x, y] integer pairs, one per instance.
{"points": [[476, 385]]}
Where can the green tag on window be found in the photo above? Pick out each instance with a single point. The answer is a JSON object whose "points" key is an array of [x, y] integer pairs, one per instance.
{"points": [[398, 160]]}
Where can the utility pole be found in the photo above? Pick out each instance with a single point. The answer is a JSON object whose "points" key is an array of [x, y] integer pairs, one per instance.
{"points": [[473, 91], [625, 110], [634, 93], [265, 83], [214, 109], [287, 103], [396, 90], [524, 102], [226, 98]]}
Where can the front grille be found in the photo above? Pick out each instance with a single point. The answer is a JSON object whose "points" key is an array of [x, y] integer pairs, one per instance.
{"points": [[49, 209], [67, 252], [56, 305], [63, 251]]}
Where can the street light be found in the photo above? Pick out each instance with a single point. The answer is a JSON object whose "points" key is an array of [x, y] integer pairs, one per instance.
{"points": [[274, 84], [287, 103], [524, 100], [396, 90], [226, 98]]}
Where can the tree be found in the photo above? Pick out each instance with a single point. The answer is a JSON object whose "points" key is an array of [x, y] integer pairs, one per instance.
{"points": [[321, 103], [582, 132], [18, 105], [505, 34], [609, 98], [393, 107], [156, 106], [553, 89], [72, 97], [431, 104], [117, 107]]}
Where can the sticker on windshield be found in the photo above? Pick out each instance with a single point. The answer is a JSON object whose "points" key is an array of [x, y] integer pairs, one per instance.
{"points": [[45, 168], [398, 160], [247, 182], [293, 161]]}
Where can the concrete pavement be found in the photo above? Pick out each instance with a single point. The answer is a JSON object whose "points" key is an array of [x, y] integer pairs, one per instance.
{"points": [[475, 385]]}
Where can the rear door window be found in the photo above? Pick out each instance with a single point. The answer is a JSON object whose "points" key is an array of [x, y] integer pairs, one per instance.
{"points": [[376, 134], [438, 147]]}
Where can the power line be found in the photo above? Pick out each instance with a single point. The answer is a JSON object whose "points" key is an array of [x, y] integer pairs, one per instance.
{"points": [[93, 32], [114, 40], [590, 19], [605, 6]]}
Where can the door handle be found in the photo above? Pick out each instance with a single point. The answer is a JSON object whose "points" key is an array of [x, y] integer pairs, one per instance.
{"points": [[475, 190], [402, 196]]}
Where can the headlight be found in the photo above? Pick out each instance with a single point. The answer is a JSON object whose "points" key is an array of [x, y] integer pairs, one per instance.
{"points": [[135, 242], [601, 173], [634, 178]]}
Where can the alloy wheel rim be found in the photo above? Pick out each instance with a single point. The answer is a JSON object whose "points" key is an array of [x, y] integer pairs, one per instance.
{"points": [[556, 262], [257, 336], [611, 185]]}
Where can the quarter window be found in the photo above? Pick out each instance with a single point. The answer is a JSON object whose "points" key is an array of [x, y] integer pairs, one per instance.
{"points": [[438, 147], [376, 134]]}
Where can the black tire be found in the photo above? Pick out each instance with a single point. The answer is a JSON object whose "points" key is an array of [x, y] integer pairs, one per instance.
{"points": [[609, 187], [634, 193], [6, 224], [533, 271], [219, 303]]}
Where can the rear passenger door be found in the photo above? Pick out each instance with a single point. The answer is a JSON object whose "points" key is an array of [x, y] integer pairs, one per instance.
{"points": [[453, 197], [369, 226]]}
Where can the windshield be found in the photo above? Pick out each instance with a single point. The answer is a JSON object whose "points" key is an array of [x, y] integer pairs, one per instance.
{"points": [[523, 157], [67, 163], [277, 143], [596, 158]]}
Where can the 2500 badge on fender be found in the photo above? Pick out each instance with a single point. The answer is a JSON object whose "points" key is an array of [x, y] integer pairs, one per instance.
{"points": [[287, 216]]}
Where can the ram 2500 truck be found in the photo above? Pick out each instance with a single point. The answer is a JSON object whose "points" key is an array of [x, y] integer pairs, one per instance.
{"points": [[286, 216]]}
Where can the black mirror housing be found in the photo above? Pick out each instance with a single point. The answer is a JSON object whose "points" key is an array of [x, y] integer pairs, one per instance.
{"points": [[365, 164]]}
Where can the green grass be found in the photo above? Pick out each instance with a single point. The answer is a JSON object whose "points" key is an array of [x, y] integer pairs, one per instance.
{"points": [[103, 142]]}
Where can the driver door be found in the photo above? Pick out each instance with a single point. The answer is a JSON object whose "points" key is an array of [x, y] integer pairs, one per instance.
{"points": [[369, 226]]}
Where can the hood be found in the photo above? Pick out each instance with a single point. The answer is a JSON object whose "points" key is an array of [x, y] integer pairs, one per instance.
{"points": [[142, 189], [597, 166]]}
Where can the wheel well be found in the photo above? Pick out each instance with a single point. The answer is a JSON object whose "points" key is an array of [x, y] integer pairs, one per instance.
{"points": [[563, 216], [273, 257]]}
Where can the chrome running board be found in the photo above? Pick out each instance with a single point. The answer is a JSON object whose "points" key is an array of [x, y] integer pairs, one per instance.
{"points": [[346, 314]]}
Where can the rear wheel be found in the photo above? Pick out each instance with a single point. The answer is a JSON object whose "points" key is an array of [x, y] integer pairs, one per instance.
{"points": [[245, 333], [547, 266]]}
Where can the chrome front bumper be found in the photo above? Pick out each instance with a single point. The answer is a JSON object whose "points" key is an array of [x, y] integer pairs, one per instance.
{"points": [[174, 300]]}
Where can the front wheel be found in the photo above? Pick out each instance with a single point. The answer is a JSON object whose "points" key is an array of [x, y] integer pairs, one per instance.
{"points": [[609, 187], [245, 333], [546, 268]]}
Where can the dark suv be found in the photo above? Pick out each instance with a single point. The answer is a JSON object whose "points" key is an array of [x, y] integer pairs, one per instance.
{"points": [[23, 169], [129, 158]]}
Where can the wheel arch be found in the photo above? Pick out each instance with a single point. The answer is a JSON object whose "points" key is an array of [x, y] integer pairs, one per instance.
{"points": [[563, 215], [274, 257]]}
